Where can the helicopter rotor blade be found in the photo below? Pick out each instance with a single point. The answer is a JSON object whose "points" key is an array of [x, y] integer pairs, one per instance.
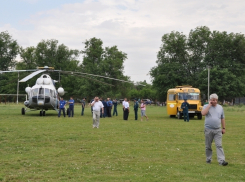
{"points": [[70, 72], [15, 71], [94, 80], [31, 75]]}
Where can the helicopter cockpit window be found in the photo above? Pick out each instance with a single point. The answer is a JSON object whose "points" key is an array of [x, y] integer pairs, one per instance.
{"points": [[34, 92], [47, 92], [41, 91]]}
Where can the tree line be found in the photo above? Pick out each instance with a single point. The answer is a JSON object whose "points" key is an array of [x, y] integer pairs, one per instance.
{"points": [[96, 59], [181, 60], [184, 60]]}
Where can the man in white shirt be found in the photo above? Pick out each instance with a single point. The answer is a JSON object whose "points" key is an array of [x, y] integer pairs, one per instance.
{"points": [[125, 109], [97, 106]]}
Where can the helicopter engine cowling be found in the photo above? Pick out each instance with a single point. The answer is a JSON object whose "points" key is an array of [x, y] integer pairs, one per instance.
{"points": [[39, 81], [28, 89], [61, 91]]}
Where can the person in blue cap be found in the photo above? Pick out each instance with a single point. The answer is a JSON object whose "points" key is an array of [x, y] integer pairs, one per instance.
{"points": [[185, 106], [136, 106]]}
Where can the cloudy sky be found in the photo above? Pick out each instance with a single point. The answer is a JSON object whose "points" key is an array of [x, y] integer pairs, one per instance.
{"points": [[135, 26]]}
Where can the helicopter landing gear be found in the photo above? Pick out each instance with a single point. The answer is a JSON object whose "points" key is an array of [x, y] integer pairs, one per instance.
{"points": [[23, 111], [42, 113]]}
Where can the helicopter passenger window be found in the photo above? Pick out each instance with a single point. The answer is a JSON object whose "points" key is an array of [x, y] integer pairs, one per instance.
{"points": [[51, 93], [47, 92], [55, 94]]}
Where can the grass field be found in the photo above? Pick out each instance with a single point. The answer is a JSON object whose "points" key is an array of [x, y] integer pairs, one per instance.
{"points": [[34, 148]]}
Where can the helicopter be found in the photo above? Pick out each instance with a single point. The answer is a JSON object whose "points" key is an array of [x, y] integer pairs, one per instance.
{"points": [[43, 95]]}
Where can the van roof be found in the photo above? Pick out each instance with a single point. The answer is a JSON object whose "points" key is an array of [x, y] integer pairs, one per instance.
{"points": [[184, 86]]}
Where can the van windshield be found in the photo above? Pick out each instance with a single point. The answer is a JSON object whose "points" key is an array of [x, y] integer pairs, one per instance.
{"points": [[188, 96]]}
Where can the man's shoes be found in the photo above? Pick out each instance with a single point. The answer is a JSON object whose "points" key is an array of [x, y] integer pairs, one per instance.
{"points": [[223, 163], [208, 162]]}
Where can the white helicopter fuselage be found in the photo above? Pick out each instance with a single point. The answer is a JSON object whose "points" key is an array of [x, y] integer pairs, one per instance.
{"points": [[43, 95]]}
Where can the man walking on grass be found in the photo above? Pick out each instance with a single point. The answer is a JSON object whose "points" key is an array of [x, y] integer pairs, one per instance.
{"points": [[97, 106], [214, 119]]}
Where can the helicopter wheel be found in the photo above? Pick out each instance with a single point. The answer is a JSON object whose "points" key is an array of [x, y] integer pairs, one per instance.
{"points": [[44, 113], [23, 111], [41, 113]]}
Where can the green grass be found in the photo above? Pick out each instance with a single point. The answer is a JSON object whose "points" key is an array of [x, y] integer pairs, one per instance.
{"points": [[34, 148]]}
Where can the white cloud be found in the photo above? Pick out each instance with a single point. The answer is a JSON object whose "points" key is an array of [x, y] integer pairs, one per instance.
{"points": [[134, 26]]}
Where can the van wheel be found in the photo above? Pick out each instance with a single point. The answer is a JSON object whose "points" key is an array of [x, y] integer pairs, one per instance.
{"points": [[199, 116], [172, 116]]}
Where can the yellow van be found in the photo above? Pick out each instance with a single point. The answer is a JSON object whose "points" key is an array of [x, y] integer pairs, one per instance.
{"points": [[176, 96]]}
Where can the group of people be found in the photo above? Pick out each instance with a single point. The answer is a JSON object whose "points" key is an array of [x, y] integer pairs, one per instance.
{"points": [[100, 107], [142, 107], [62, 107], [108, 105], [213, 112]]}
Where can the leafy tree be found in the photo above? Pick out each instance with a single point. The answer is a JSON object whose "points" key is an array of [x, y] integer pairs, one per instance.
{"points": [[8, 51], [171, 59], [183, 60], [106, 62]]}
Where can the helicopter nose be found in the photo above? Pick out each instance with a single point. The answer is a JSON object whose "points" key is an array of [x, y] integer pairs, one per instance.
{"points": [[40, 100]]}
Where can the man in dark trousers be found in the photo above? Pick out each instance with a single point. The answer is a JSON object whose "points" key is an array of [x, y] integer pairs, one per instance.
{"points": [[136, 106], [185, 106], [126, 109], [109, 107], [83, 106], [115, 107], [105, 107], [123, 106], [71, 107], [62, 104]]}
